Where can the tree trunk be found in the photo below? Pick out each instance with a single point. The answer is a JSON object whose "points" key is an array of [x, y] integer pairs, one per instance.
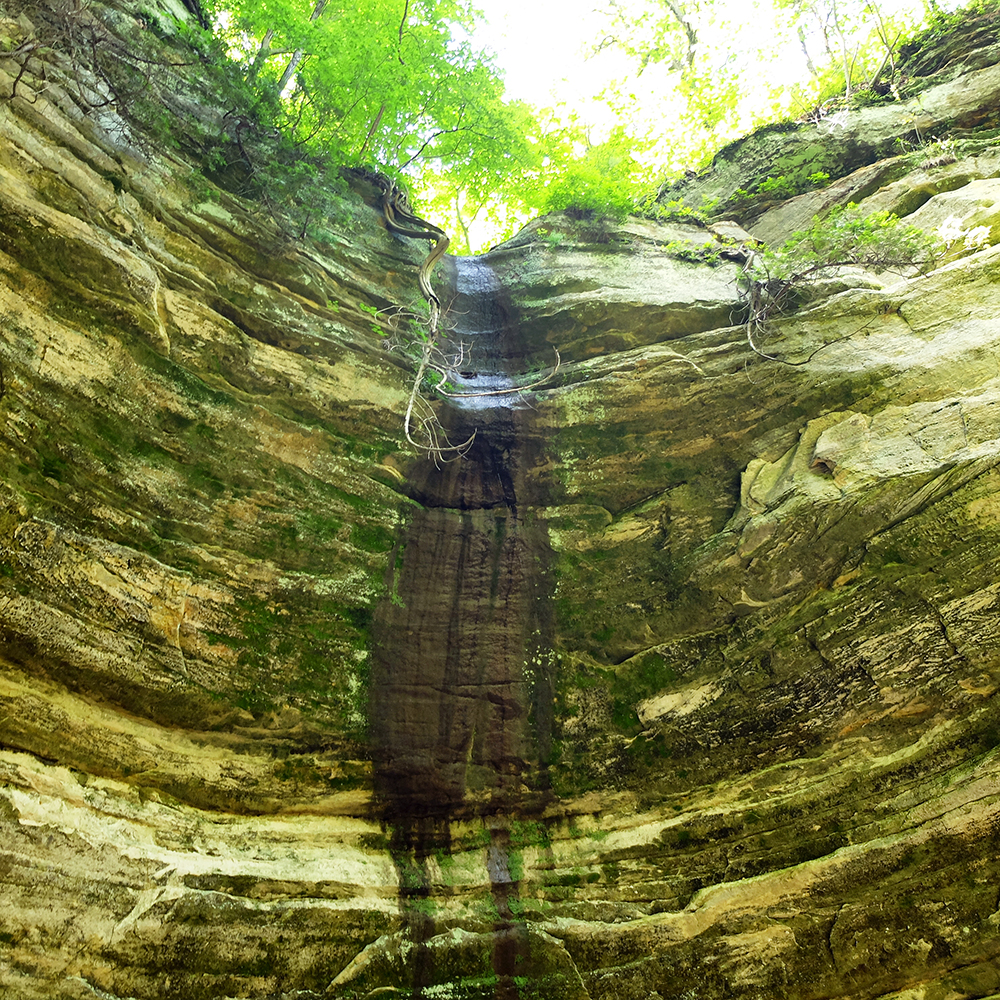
{"points": [[262, 53], [848, 63], [293, 63]]}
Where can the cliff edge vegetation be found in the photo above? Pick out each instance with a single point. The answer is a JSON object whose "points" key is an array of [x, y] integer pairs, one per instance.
{"points": [[760, 683]]}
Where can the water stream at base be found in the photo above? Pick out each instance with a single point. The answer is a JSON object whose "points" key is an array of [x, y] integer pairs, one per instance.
{"points": [[460, 710]]}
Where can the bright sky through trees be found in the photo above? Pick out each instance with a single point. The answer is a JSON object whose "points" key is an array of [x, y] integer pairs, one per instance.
{"points": [[623, 63], [543, 47], [600, 104], [547, 49]]}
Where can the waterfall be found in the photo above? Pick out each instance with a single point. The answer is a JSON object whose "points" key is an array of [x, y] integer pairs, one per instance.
{"points": [[460, 723]]}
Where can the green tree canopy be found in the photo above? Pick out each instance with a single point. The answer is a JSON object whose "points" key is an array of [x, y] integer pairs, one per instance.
{"points": [[395, 84], [400, 85]]}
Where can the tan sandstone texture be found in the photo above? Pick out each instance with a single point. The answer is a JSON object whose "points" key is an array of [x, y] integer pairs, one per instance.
{"points": [[757, 677]]}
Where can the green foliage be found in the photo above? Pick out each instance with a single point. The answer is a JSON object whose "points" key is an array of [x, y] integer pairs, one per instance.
{"points": [[778, 187], [311, 86], [677, 210], [497, 183], [694, 253], [551, 238], [303, 191], [603, 181], [781, 187], [879, 242], [771, 278], [398, 85], [717, 91], [924, 50], [711, 97]]}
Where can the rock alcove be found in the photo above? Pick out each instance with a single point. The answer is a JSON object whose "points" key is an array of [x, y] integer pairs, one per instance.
{"points": [[724, 722]]}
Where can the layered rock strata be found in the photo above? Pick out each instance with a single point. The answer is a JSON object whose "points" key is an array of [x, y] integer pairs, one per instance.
{"points": [[742, 740]]}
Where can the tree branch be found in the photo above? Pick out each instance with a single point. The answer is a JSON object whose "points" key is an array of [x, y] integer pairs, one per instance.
{"points": [[689, 31], [402, 25], [26, 49]]}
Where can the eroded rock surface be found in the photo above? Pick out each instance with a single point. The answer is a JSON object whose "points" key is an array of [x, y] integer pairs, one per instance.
{"points": [[743, 738]]}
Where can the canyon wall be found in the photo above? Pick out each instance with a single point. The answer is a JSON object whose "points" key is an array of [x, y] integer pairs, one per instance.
{"points": [[755, 665]]}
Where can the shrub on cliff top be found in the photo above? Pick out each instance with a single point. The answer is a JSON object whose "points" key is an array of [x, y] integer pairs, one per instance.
{"points": [[878, 242], [846, 237]]}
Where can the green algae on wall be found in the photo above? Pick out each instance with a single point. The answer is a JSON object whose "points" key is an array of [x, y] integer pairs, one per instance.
{"points": [[773, 656]]}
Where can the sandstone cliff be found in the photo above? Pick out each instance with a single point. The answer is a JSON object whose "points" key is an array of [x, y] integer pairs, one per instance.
{"points": [[741, 739]]}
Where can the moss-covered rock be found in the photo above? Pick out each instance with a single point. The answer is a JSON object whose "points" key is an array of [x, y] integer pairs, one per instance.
{"points": [[741, 738]]}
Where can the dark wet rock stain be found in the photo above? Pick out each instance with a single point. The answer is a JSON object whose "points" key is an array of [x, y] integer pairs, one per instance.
{"points": [[460, 727]]}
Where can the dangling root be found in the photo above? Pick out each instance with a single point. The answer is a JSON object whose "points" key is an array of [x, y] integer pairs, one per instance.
{"points": [[399, 219], [512, 389]]}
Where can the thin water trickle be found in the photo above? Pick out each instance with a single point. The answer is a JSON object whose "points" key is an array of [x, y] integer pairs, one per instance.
{"points": [[459, 727], [479, 324]]}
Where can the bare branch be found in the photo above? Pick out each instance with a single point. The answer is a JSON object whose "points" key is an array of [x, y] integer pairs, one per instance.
{"points": [[689, 32], [374, 126], [26, 49], [402, 26], [507, 392]]}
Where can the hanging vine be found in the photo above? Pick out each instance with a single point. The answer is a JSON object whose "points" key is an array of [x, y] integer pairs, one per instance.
{"points": [[420, 424]]}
